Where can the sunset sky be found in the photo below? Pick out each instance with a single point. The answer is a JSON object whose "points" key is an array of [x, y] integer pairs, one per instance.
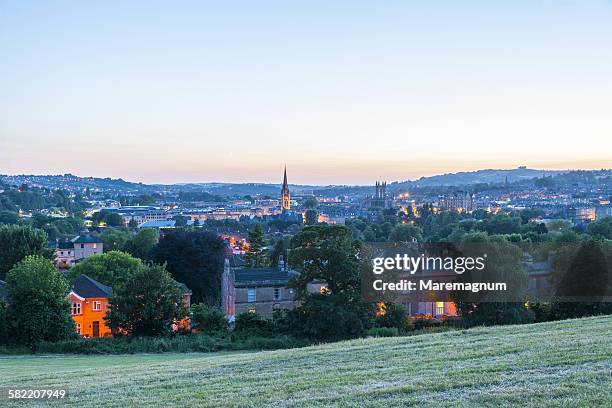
{"points": [[341, 92]]}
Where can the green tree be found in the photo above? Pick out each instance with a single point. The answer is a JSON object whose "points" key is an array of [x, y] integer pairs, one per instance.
{"points": [[9, 217], [19, 241], [311, 217], [256, 256], [208, 318], [311, 203], [148, 304], [141, 244], [328, 254], [112, 268], [132, 224], [405, 233], [38, 308], [114, 239], [195, 258], [602, 228]]}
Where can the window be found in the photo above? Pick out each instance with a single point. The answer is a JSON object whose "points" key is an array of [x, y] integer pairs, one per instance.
{"points": [[251, 295], [439, 308], [95, 246], [78, 328], [277, 294], [82, 245], [76, 308], [97, 306]]}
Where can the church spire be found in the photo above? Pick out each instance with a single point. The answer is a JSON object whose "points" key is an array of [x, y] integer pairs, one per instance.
{"points": [[285, 200]]}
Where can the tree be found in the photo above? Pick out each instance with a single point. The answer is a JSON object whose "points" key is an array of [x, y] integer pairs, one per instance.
{"points": [[194, 258], [279, 249], [502, 265], [132, 224], [255, 257], [311, 203], [114, 239], [328, 254], [405, 233], [9, 217], [112, 268], [19, 241], [208, 318], [148, 304], [602, 228], [38, 308], [141, 244], [311, 217]]}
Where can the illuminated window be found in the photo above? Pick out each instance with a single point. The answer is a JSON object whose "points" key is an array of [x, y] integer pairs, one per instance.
{"points": [[97, 306], [76, 308], [277, 294], [439, 308], [251, 295]]}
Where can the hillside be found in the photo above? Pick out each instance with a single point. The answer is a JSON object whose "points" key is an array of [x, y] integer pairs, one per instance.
{"points": [[559, 363]]}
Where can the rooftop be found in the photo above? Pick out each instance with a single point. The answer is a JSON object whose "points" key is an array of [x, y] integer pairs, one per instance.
{"points": [[262, 276], [86, 287]]}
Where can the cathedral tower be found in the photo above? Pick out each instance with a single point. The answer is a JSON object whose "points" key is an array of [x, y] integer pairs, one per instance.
{"points": [[285, 201]]}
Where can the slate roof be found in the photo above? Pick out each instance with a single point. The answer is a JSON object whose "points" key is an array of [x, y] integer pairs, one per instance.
{"points": [[65, 245], [185, 289], [2, 290], [262, 277], [86, 287], [86, 239]]}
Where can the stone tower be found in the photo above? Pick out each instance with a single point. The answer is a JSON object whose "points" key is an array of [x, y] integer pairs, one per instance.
{"points": [[285, 198]]}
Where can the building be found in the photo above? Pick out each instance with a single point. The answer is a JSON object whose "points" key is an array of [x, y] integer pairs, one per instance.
{"points": [[380, 199], [460, 202], [89, 303], [70, 252], [258, 290], [285, 197]]}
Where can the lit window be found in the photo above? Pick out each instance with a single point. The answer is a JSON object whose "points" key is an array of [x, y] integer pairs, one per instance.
{"points": [[252, 311], [95, 246], [439, 308], [251, 295], [76, 308], [277, 294], [97, 306]]}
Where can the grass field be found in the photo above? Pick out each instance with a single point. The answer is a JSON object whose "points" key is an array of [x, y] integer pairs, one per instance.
{"points": [[566, 363]]}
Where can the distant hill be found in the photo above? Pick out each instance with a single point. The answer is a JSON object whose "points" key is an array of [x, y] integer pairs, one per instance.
{"points": [[76, 183], [480, 176]]}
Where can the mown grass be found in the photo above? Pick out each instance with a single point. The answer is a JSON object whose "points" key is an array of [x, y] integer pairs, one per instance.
{"points": [[564, 363]]}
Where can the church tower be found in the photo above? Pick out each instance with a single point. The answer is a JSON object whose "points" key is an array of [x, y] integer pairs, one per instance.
{"points": [[285, 201]]}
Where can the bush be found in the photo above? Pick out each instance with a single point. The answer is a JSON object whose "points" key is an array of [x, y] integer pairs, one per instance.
{"points": [[489, 314], [181, 344], [394, 316], [422, 323], [382, 332], [208, 319], [3, 325], [254, 323]]}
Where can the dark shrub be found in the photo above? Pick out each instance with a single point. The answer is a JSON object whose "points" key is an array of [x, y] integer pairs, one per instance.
{"points": [[254, 323], [208, 319], [394, 316]]}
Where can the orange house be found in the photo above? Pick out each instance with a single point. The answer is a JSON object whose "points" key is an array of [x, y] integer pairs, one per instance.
{"points": [[89, 303]]}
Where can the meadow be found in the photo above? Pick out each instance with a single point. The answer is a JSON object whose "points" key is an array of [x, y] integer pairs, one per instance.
{"points": [[563, 363]]}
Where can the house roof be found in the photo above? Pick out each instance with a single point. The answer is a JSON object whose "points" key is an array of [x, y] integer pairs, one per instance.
{"points": [[262, 276], [65, 245], [86, 239], [184, 289], [2, 290], [86, 287]]}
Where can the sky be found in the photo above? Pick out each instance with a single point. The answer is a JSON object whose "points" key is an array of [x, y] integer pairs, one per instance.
{"points": [[343, 92]]}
